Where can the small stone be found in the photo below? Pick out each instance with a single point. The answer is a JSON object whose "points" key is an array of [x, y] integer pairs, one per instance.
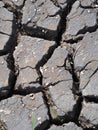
{"points": [[88, 11], [50, 86], [52, 69], [45, 69], [34, 9], [39, 118], [29, 19], [46, 84], [43, 30], [2, 62], [23, 105], [41, 70], [32, 96], [82, 72], [16, 47], [21, 45], [96, 5]]}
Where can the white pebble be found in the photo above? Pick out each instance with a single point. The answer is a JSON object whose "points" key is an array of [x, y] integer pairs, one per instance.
{"points": [[21, 45], [82, 72], [43, 30], [15, 47], [41, 70], [88, 11], [39, 118], [2, 62], [29, 19], [50, 86]]}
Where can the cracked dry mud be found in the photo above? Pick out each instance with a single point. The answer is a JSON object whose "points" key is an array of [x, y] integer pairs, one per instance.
{"points": [[49, 64]]}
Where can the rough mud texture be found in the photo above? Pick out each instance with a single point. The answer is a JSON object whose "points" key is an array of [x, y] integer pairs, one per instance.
{"points": [[49, 64]]}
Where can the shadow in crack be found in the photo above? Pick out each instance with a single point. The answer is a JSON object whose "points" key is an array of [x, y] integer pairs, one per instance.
{"points": [[43, 61], [43, 126], [76, 109], [40, 32], [27, 90], [88, 29], [91, 98], [74, 39], [46, 57], [4, 92], [62, 23], [7, 91]]}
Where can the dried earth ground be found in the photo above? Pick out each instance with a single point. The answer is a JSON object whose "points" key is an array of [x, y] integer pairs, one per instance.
{"points": [[49, 64]]}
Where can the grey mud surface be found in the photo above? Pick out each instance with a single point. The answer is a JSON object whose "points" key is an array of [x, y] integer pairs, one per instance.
{"points": [[49, 64]]}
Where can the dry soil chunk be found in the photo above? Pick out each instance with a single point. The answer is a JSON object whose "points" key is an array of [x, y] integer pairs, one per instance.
{"points": [[16, 112], [38, 12], [27, 55], [59, 81], [90, 112], [91, 88], [87, 54], [6, 18], [79, 20]]}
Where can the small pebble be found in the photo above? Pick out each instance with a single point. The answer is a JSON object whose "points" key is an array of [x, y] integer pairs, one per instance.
{"points": [[52, 69], [43, 30], [32, 96], [16, 47], [21, 45], [88, 11], [41, 70], [50, 86], [82, 72], [29, 19], [23, 105], [45, 70], [39, 118], [46, 83], [96, 5], [2, 62]]}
